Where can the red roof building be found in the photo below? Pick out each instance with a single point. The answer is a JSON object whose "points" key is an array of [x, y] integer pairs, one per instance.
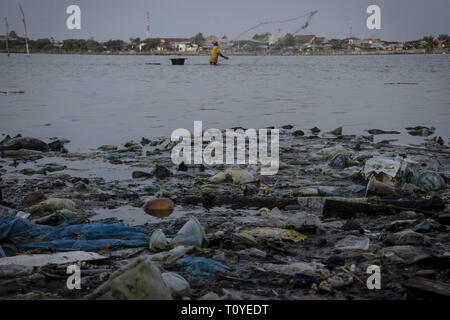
{"points": [[442, 43], [305, 38], [310, 39]]}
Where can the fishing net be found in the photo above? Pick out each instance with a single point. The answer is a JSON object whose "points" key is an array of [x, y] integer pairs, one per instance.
{"points": [[277, 30]]}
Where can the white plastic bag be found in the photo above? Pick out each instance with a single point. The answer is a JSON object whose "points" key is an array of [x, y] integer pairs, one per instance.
{"points": [[158, 240], [192, 233], [177, 285]]}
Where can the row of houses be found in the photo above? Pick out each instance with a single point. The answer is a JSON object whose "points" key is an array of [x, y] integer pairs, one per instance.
{"points": [[303, 43], [374, 44], [312, 42], [189, 44], [177, 44], [354, 43]]}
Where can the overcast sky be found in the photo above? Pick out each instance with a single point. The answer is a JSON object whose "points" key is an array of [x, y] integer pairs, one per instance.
{"points": [[122, 19]]}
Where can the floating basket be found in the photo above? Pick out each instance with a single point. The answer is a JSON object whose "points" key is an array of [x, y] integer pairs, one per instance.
{"points": [[178, 61]]}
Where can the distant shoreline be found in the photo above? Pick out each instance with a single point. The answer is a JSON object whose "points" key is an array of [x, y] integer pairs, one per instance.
{"points": [[243, 53]]}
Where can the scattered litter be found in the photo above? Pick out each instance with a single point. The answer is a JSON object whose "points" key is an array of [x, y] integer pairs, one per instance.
{"points": [[39, 260], [353, 243], [233, 175], [276, 234]]}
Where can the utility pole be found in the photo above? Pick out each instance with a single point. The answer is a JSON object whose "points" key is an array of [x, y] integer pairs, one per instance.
{"points": [[351, 28], [25, 27], [6, 37], [148, 25]]}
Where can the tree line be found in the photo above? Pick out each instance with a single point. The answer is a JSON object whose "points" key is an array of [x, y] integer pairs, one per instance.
{"points": [[46, 45], [80, 45]]}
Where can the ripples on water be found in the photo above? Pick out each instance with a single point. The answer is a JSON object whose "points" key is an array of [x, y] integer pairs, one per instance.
{"points": [[95, 100]]}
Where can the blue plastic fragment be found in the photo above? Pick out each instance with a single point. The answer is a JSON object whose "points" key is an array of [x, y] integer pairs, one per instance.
{"points": [[338, 161], [423, 226], [6, 139], [57, 146], [201, 267], [430, 181], [356, 188]]}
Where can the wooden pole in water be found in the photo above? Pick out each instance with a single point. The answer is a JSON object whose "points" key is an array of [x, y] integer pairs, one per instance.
{"points": [[25, 27], [6, 37]]}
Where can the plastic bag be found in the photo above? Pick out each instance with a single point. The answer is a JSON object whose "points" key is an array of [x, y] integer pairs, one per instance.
{"points": [[192, 233], [158, 240]]}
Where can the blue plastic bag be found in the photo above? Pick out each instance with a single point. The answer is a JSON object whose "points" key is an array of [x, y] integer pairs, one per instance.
{"points": [[201, 267], [85, 237]]}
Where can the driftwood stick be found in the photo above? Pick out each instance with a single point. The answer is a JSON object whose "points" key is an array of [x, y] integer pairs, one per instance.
{"points": [[25, 27], [348, 209], [6, 36], [236, 201]]}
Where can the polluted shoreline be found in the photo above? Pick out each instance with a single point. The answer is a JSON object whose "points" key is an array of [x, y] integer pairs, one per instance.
{"points": [[137, 226]]}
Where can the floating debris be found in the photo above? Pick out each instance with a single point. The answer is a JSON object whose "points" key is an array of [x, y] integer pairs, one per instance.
{"points": [[160, 208]]}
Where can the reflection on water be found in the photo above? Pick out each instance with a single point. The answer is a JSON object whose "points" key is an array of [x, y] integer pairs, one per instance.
{"points": [[95, 100]]}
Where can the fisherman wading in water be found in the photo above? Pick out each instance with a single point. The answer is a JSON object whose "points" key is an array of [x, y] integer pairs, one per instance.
{"points": [[215, 53]]}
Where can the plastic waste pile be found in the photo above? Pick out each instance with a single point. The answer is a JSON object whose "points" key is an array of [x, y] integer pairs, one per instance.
{"points": [[338, 205]]}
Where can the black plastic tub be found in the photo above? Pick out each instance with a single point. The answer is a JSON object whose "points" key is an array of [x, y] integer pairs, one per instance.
{"points": [[178, 61]]}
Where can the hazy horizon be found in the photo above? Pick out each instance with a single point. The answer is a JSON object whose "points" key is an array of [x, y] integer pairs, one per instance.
{"points": [[401, 20]]}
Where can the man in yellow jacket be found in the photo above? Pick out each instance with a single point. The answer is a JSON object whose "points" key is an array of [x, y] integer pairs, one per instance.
{"points": [[215, 53]]}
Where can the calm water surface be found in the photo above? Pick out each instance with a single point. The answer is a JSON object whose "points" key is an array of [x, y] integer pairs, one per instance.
{"points": [[95, 100]]}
